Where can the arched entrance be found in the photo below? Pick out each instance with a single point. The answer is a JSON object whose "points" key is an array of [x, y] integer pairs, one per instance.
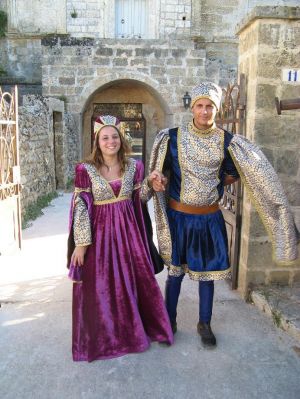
{"points": [[140, 107]]}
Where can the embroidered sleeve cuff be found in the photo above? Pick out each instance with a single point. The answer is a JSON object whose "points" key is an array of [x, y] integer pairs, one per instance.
{"points": [[146, 191], [82, 225]]}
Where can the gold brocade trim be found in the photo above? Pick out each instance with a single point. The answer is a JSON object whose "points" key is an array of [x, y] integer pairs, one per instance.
{"points": [[206, 132], [163, 155], [80, 190], [84, 244], [222, 134], [112, 200], [159, 201], [260, 212], [199, 276], [199, 162], [180, 163]]}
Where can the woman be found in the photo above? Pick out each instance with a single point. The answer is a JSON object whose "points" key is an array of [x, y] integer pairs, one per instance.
{"points": [[118, 307]]}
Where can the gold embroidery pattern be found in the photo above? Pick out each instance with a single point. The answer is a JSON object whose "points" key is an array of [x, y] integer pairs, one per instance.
{"points": [[101, 188], [81, 225], [199, 276], [78, 190], [111, 201], [200, 160], [157, 158], [267, 195], [192, 128], [146, 191], [127, 184]]}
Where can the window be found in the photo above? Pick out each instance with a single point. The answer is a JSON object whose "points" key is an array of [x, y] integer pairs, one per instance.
{"points": [[131, 19]]}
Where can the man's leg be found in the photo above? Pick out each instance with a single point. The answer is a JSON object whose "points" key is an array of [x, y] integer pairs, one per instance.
{"points": [[173, 286], [206, 297]]}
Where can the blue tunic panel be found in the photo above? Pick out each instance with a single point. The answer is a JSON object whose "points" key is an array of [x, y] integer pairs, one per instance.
{"points": [[199, 242]]}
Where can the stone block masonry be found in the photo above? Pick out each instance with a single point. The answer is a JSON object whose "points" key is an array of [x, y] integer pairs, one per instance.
{"points": [[173, 67], [49, 146], [268, 42]]}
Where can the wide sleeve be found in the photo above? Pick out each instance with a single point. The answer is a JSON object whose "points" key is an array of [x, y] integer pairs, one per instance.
{"points": [[156, 162], [141, 183], [144, 221], [82, 198], [266, 192]]}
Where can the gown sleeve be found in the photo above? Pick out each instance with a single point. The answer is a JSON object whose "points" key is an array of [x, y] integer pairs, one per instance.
{"points": [[156, 162], [267, 194], [81, 219], [144, 221]]}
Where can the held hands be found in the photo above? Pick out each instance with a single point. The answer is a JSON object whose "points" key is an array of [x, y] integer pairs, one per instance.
{"points": [[157, 181], [78, 256]]}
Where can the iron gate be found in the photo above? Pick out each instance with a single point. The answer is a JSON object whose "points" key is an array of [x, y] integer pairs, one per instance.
{"points": [[231, 117], [10, 211]]}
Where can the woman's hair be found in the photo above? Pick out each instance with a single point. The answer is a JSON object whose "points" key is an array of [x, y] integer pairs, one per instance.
{"points": [[96, 156]]}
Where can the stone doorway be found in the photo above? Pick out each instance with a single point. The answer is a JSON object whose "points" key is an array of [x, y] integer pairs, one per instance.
{"points": [[140, 107]]}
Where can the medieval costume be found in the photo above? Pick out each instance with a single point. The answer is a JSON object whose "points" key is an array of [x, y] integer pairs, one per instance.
{"points": [[117, 307], [191, 230]]}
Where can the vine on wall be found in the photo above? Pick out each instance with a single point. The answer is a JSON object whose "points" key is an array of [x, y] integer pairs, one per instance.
{"points": [[3, 23]]}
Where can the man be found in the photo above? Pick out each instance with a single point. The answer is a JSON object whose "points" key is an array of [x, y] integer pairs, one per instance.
{"points": [[200, 160]]}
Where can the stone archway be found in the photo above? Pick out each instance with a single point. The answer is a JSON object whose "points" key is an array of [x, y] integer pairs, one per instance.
{"points": [[155, 109]]}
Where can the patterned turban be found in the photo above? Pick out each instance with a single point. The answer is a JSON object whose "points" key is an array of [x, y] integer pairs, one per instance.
{"points": [[207, 90], [106, 120]]}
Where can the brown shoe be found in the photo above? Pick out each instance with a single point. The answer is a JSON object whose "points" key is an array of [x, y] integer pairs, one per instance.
{"points": [[207, 336]]}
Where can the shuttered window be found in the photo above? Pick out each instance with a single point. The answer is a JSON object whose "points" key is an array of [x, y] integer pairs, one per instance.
{"points": [[131, 19]]}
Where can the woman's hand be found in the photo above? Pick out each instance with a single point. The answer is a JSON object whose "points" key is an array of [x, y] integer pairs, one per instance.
{"points": [[78, 256], [229, 180], [157, 181]]}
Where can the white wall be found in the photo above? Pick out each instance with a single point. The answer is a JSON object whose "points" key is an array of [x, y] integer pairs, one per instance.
{"points": [[36, 17]]}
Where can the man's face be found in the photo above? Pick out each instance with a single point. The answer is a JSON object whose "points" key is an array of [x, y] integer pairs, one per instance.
{"points": [[204, 113]]}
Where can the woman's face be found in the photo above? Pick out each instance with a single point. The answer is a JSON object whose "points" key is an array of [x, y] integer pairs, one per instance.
{"points": [[109, 141]]}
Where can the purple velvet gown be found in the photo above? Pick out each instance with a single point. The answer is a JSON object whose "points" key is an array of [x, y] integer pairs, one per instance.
{"points": [[118, 307]]}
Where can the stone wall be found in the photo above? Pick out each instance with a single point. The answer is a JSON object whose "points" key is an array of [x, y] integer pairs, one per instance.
{"points": [[175, 18], [82, 69], [269, 42], [21, 60], [36, 17], [48, 146]]}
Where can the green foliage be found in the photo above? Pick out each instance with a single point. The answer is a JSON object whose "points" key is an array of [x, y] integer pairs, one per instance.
{"points": [[276, 316], [3, 23], [2, 71], [74, 13], [63, 98], [33, 211]]}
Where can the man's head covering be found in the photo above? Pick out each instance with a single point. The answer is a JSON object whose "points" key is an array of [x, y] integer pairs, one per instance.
{"points": [[106, 120], [208, 90]]}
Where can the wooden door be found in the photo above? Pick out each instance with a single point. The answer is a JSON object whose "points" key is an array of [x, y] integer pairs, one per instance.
{"points": [[131, 18]]}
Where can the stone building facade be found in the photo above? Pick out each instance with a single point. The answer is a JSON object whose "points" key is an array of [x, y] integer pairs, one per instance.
{"points": [[269, 45], [74, 59]]}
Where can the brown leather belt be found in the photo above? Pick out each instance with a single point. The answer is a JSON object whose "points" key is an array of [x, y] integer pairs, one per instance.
{"points": [[192, 209]]}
